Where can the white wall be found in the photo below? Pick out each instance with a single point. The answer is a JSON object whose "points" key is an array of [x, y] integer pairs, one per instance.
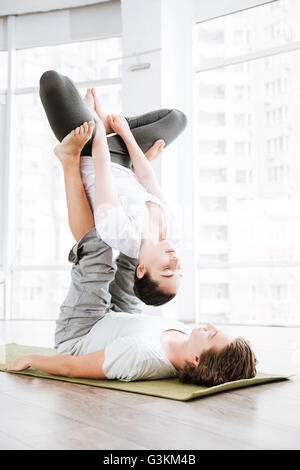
{"points": [[64, 26], [18, 7], [76, 24]]}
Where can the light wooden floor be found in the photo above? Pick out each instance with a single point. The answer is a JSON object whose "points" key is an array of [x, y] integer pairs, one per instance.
{"points": [[45, 414]]}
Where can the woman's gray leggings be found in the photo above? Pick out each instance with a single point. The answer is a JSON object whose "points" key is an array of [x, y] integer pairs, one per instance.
{"points": [[66, 110]]}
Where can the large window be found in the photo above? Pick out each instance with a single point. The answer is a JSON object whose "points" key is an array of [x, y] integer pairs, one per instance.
{"points": [[246, 141], [85, 61], [40, 273]]}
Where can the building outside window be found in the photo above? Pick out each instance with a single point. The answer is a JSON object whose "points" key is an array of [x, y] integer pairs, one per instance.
{"points": [[250, 249]]}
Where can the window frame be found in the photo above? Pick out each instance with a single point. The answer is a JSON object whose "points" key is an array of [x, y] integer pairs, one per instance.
{"points": [[11, 33]]}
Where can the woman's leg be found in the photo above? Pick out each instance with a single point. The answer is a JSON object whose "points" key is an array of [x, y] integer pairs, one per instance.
{"points": [[63, 105], [66, 110], [162, 124]]}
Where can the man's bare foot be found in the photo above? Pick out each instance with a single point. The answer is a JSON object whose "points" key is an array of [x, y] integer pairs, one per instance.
{"points": [[89, 100], [68, 151], [101, 112], [156, 150]]}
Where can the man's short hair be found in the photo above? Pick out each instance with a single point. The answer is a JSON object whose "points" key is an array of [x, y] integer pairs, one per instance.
{"points": [[148, 291], [235, 361]]}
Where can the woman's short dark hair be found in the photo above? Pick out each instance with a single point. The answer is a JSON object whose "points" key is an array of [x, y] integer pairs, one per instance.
{"points": [[234, 362], [148, 291]]}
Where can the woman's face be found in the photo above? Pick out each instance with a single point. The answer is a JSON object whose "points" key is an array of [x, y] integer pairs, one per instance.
{"points": [[161, 262]]}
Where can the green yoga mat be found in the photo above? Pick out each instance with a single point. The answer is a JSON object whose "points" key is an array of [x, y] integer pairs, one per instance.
{"points": [[164, 388]]}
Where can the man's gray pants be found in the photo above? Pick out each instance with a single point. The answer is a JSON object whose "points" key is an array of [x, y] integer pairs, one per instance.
{"points": [[98, 284]]}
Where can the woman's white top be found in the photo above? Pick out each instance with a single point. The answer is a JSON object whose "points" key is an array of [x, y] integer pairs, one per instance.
{"points": [[121, 227], [131, 343]]}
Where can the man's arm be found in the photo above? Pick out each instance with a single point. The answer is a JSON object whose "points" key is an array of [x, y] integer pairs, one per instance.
{"points": [[80, 215], [86, 366], [142, 168]]}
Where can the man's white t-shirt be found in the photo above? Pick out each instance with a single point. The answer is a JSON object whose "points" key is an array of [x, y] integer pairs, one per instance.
{"points": [[131, 343], [121, 227]]}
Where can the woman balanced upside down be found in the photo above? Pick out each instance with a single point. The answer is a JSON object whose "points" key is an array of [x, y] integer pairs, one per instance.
{"points": [[101, 331]]}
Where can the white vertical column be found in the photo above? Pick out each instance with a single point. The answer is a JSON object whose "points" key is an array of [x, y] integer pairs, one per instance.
{"points": [[141, 26], [8, 168], [141, 89], [177, 163], [165, 27]]}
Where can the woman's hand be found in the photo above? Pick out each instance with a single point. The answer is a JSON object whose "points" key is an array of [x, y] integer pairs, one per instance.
{"points": [[119, 124], [21, 363]]}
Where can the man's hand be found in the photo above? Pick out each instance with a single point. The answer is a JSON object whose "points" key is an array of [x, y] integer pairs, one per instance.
{"points": [[21, 363], [119, 125]]}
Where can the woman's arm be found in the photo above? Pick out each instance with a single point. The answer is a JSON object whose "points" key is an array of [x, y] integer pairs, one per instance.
{"points": [[142, 168], [106, 195], [87, 366]]}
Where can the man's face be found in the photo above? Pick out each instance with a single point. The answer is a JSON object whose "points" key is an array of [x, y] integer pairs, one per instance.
{"points": [[206, 338]]}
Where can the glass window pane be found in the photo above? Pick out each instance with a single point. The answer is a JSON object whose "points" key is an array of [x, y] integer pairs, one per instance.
{"points": [[42, 233], [80, 61], [267, 296], [39, 294], [251, 30], [248, 203]]}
